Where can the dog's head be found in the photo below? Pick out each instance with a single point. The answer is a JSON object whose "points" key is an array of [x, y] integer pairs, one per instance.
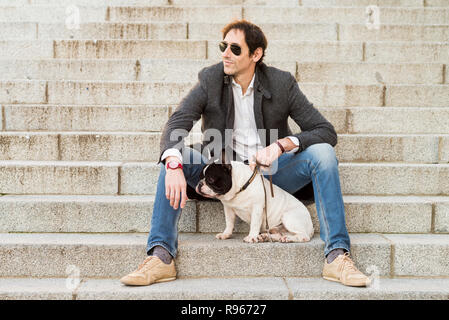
{"points": [[215, 180]]}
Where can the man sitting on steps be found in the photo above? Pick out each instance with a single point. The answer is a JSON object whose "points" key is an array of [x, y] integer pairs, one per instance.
{"points": [[243, 94]]}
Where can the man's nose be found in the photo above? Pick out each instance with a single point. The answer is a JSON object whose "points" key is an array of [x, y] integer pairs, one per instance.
{"points": [[227, 52]]}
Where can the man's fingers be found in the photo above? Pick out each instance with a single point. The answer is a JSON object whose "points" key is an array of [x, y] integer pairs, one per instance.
{"points": [[172, 196], [176, 199], [183, 197]]}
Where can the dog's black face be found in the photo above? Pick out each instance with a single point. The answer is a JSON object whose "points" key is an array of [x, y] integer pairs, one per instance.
{"points": [[215, 180]]}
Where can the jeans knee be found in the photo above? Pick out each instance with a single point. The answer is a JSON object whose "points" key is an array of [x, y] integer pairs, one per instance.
{"points": [[323, 156]]}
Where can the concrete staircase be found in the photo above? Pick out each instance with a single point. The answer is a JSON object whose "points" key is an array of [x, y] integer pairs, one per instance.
{"points": [[82, 112]]}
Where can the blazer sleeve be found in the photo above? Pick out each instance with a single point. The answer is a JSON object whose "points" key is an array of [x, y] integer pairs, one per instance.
{"points": [[184, 118], [314, 127]]}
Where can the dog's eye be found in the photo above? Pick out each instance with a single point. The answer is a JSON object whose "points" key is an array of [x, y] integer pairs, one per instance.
{"points": [[210, 180]]}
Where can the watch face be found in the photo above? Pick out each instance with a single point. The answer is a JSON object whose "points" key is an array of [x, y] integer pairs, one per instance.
{"points": [[172, 164]]}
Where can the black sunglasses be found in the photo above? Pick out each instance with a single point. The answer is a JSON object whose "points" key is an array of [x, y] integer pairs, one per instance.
{"points": [[234, 48]]}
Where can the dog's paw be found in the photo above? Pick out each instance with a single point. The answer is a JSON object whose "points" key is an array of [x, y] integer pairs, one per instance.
{"points": [[263, 237], [223, 236], [251, 239], [285, 239]]}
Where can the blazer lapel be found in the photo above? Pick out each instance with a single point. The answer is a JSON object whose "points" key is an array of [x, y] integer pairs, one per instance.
{"points": [[259, 93], [229, 102]]}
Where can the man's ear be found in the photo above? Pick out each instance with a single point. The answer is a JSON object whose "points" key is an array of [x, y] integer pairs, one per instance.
{"points": [[257, 54]]}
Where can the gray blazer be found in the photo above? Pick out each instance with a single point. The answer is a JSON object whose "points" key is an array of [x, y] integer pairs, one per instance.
{"points": [[276, 97]]}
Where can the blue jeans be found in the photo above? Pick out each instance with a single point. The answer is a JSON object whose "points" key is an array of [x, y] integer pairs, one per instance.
{"points": [[318, 163]]}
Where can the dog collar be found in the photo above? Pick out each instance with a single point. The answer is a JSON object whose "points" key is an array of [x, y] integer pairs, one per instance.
{"points": [[250, 180]]}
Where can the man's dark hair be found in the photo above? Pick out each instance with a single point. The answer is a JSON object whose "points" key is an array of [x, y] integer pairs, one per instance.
{"points": [[254, 37]]}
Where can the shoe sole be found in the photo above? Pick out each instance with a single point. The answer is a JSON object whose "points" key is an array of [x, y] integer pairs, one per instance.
{"points": [[350, 285], [165, 280], [158, 281]]}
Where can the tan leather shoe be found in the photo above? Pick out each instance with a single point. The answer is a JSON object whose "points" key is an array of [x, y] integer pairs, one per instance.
{"points": [[152, 270], [343, 270]]}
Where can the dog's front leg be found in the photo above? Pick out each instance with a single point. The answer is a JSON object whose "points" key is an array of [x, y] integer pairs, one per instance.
{"points": [[230, 221], [255, 225]]}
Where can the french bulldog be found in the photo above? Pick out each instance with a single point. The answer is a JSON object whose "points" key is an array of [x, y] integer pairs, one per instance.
{"points": [[288, 218]]}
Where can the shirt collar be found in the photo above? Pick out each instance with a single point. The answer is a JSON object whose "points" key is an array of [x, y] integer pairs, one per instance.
{"points": [[251, 85]]}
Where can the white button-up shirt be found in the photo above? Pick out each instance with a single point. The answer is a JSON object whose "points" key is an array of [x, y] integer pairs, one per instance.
{"points": [[246, 141]]}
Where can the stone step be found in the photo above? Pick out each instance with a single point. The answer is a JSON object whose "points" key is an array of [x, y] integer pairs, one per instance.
{"points": [[156, 92], [224, 14], [59, 177], [140, 178], [355, 178], [363, 3], [393, 179], [112, 30], [44, 13], [172, 70], [350, 51], [370, 73], [367, 214], [357, 120], [386, 120], [93, 214], [212, 31], [352, 95], [141, 146], [103, 49], [105, 3], [248, 288], [331, 31], [93, 92], [130, 49], [88, 118], [201, 255], [289, 3], [152, 118], [392, 148], [387, 15], [280, 50], [393, 32], [93, 30], [379, 3]]}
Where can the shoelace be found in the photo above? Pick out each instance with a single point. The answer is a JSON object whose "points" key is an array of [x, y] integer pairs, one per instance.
{"points": [[144, 265], [348, 263]]}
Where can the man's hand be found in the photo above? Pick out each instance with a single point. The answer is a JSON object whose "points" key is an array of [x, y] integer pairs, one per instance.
{"points": [[266, 157], [175, 185]]}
